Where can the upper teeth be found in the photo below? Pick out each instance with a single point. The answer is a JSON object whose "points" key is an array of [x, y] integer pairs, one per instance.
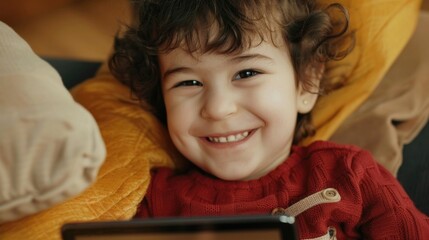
{"points": [[230, 138]]}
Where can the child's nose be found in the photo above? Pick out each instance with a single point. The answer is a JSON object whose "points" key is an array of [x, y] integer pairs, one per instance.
{"points": [[219, 104]]}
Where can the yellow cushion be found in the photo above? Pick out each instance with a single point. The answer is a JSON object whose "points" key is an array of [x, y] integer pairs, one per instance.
{"points": [[136, 142]]}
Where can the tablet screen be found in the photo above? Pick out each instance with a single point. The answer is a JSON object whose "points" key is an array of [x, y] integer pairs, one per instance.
{"points": [[195, 228], [202, 235]]}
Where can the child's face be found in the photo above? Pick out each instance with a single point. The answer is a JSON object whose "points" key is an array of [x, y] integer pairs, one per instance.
{"points": [[231, 115]]}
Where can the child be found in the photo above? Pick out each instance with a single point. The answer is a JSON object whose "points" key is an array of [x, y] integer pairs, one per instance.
{"points": [[235, 81]]}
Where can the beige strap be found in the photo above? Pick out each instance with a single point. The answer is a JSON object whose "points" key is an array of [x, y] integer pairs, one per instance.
{"points": [[328, 195]]}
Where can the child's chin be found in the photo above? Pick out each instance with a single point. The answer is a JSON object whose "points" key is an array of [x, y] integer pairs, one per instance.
{"points": [[235, 176]]}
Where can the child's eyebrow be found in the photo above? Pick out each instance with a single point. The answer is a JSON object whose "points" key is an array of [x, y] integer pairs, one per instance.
{"points": [[235, 59], [251, 56], [175, 70]]}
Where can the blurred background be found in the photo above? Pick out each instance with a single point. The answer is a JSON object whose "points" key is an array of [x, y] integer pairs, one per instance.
{"points": [[74, 29]]}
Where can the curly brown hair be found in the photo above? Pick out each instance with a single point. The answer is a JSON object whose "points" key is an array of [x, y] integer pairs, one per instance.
{"points": [[310, 31]]}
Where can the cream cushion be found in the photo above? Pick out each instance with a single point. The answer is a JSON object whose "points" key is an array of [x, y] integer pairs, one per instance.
{"points": [[50, 146]]}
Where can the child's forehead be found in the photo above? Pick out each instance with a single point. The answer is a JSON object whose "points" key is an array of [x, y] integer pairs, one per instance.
{"points": [[262, 53], [214, 40]]}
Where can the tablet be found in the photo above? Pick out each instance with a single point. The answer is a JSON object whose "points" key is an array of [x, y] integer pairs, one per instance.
{"points": [[189, 228]]}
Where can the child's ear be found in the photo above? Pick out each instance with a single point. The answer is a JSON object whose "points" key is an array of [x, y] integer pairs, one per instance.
{"points": [[307, 95]]}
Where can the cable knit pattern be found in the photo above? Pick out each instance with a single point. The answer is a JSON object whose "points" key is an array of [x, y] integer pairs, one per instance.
{"points": [[373, 204]]}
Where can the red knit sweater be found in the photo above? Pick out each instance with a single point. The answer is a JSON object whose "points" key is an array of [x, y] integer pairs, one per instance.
{"points": [[373, 205]]}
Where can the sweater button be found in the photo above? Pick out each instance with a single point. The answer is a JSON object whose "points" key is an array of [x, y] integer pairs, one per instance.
{"points": [[278, 211], [331, 194]]}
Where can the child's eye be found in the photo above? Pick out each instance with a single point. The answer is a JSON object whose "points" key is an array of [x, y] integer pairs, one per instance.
{"points": [[188, 83], [246, 74]]}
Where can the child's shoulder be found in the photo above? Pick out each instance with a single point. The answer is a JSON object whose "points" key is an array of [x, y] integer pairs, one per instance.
{"points": [[332, 146], [328, 147], [334, 154]]}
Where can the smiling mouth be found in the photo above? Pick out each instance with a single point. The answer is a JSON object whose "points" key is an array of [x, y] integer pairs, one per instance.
{"points": [[230, 138]]}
